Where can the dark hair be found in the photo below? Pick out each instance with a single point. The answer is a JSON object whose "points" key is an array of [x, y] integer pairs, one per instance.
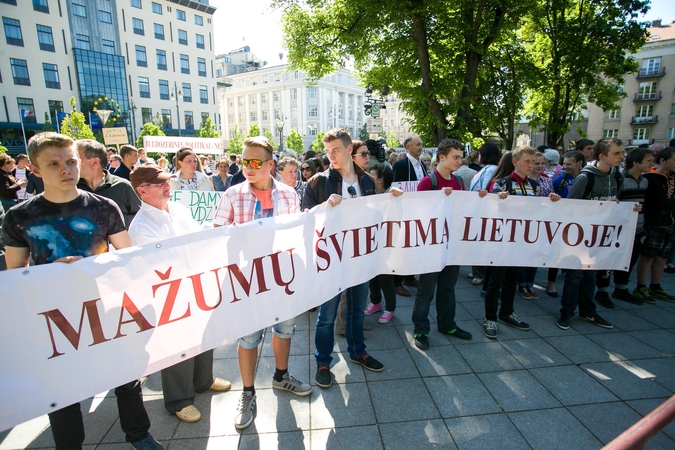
{"points": [[446, 145], [505, 167], [309, 154], [338, 133], [93, 149], [127, 150], [355, 145], [325, 162], [385, 172], [542, 148], [111, 149], [603, 145], [637, 156], [665, 154], [672, 143], [581, 143], [489, 154], [314, 166], [578, 156]]}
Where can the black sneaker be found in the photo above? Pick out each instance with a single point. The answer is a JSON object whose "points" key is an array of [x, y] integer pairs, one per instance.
{"points": [[458, 333], [596, 319], [323, 377], [368, 362], [422, 341], [624, 294], [563, 323], [514, 322], [490, 329], [603, 299], [149, 443]]}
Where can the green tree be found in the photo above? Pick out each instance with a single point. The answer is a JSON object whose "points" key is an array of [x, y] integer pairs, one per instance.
{"points": [[3, 149], [208, 130], [392, 140], [75, 126], [317, 145], [363, 132], [149, 129], [236, 142], [254, 130], [579, 48], [48, 123], [294, 142]]}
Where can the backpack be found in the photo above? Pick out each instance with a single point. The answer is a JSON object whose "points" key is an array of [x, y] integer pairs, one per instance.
{"points": [[508, 183], [591, 182], [434, 180]]}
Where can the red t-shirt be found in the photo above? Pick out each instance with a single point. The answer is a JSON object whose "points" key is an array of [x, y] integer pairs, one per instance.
{"points": [[425, 184]]}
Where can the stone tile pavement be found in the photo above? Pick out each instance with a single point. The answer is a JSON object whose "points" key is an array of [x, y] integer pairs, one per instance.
{"points": [[543, 389]]}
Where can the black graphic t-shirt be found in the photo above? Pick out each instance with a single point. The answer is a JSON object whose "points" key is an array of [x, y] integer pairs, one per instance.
{"points": [[53, 230]]}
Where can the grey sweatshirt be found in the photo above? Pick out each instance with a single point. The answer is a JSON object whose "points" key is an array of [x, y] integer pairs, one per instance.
{"points": [[604, 185]]}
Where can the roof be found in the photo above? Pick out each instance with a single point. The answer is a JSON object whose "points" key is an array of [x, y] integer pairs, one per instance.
{"points": [[661, 33]]}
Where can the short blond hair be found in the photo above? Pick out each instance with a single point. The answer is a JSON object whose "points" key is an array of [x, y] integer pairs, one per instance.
{"points": [[260, 141], [518, 152], [338, 133], [47, 139]]}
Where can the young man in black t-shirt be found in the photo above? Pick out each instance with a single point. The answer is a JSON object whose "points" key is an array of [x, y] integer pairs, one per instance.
{"points": [[65, 224]]}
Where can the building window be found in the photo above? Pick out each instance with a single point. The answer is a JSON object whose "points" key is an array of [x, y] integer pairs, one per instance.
{"points": [[51, 72], [205, 117], [82, 41], [672, 109], [241, 117], [642, 133], [311, 92], [189, 121], [263, 98], [313, 111], [159, 31], [146, 115], [294, 94], [230, 118], [219, 72], [277, 77], [201, 67], [108, 46], [136, 4], [138, 26], [141, 56], [276, 96], [199, 20], [54, 107], [161, 59], [157, 8], [647, 90], [20, 71], [105, 16], [252, 99], [645, 111], [254, 116], [184, 64], [187, 92], [180, 14], [203, 94], [312, 129], [230, 103], [79, 10], [182, 37], [265, 116], [13, 31], [164, 90], [650, 67], [27, 109], [610, 133], [610, 114], [166, 118], [41, 6], [199, 39], [45, 38], [144, 87], [670, 134]]}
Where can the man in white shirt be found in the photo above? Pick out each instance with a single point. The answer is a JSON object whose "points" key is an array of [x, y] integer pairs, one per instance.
{"points": [[21, 173], [160, 219]]}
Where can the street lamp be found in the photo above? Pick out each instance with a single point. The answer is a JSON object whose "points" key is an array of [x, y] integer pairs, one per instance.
{"points": [[133, 120], [279, 124], [175, 95]]}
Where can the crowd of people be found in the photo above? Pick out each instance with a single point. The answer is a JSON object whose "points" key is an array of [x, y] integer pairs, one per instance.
{"points": [[126, 197]]}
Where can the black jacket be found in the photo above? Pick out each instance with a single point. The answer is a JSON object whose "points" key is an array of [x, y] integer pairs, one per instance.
{"points": [[659, 202], [119, 191], [404, 170], [323, 184]]}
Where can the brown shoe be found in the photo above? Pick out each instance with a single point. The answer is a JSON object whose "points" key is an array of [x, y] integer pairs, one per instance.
{"points": [[189, 414], [367, 327], [412, 282], [403, 292], [220, 385]]}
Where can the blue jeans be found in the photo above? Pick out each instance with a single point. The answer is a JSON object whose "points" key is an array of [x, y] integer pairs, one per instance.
{"points": [[579, 288], [325, 322], [444, 284]]}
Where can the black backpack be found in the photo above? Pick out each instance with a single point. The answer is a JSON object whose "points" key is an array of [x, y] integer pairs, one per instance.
{"points": [[591, 182], [508, 183], [434, 180]]}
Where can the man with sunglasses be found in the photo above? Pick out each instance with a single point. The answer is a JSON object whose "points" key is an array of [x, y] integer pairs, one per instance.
{"points": [[261, 195]]}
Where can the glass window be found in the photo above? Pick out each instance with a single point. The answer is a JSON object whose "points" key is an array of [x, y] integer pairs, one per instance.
{"points": [[276, 96], [252, 99], [189, 121], [219, 72], [166, 118], [205, 116], [199, 20], [670, 134], [180, 14], [105, 16], [646, 111], [294, 94], [161, 59], [277, 114], [159, 31], [144, 87], [611, 114], [157, 8], [311, 92], [263, 98], [203, 94], [313, 111], [108, 46], [79, 10], [136, 4], [164, 90], [41, 6], [146, 113], [54, 107], [647, 90], [199, 39], [138, 26], [610, 133], [82, 41], [45, 38], [265, 115], [184, 64], [672, 109], [651, 67], [187, 92], [642, 133], [13, 3], [182, 37], [20, 71], [254, 116], [51, 72], [13, 31], [141, 56], [26, 104], [201, 67]]}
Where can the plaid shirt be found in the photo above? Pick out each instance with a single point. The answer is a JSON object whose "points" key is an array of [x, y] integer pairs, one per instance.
{"points": [[237, 205]]}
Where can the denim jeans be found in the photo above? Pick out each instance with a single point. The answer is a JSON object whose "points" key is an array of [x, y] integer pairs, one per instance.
{"points": [[444, 284], [506, 279], [325, 322], [579, 288]]}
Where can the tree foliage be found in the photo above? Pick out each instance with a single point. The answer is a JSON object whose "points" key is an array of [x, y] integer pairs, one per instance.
{"points": [[208, 130], [392, 140], [317, 145], [270, 137], [236, 142], [254, 130], [74, 125], [363, 132], [48, 123], [294, 141], [149, 129]]}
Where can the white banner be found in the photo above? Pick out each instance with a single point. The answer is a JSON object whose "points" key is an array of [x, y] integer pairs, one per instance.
{"points": [[202, 204], [171, 144], [70, 331]]}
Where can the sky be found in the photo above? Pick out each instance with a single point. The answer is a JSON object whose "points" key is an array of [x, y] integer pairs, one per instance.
{"points": [[253, 23]]}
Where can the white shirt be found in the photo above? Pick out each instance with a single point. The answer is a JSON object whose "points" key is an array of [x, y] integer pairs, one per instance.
{"points": [[152, 224], [417, 165], [345, 189], [20, 174]]}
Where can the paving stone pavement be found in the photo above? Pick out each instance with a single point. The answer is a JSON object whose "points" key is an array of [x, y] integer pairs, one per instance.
{"points": [[542, 389]]}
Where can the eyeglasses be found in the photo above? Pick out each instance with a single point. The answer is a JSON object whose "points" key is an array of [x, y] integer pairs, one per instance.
{"points": [[306, 169], [363, 154], [254, 163], [153, 184]]}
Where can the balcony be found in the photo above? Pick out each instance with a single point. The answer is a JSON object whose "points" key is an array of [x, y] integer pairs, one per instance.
{"points": [[652, 96], [651, 73], [641, 141], [650, 120]]}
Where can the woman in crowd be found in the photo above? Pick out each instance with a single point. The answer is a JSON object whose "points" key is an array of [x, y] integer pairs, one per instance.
{"points": [[360, 154], [540, 176], [163, 164], [288, 169], [553, 166], [222, 179], [188, 175], [426, 160], [9, 186], [504, 169], [309, 167]]}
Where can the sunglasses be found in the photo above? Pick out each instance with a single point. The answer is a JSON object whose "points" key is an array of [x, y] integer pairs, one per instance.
{"points": [[363, 155], [254, 163], [306, 169]]}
